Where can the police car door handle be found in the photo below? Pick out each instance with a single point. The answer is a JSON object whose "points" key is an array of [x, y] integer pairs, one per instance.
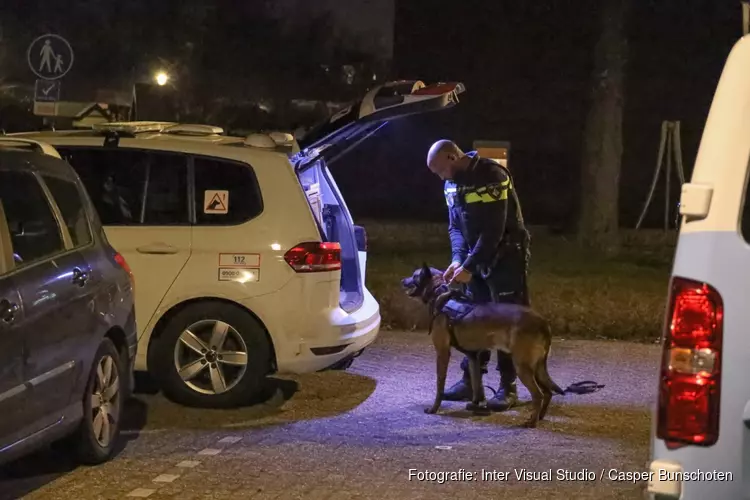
{"points": [[8, 310], [157, 248]]}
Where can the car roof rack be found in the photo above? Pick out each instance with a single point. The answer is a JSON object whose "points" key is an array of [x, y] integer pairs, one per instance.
{"points": [[38, 146], [131, 128]]}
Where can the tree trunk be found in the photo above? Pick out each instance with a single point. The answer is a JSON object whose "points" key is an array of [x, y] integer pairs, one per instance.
{"points": [[602, 142]]}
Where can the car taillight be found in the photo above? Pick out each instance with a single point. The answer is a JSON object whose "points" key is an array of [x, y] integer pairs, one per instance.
{"points": [[123, 264], [690, 384], [314, 257]]}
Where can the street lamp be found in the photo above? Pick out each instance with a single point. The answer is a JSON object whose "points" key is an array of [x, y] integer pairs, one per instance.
{"points": [[161, 78]]}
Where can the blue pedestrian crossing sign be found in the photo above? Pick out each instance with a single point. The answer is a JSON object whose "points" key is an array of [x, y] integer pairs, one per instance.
{"points": [[50, 56], [47, 91]]}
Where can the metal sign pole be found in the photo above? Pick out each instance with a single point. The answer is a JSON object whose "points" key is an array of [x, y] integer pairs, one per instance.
{"points": [[668, 176], [679, 167], [678, 153], [659, 161], [671, 145]]}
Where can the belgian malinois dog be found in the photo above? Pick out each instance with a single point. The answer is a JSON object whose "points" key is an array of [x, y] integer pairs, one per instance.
{"points": [[511, 328]]}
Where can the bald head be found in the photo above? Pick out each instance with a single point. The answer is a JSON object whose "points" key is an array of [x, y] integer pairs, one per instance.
{"points": [[445, 158]]}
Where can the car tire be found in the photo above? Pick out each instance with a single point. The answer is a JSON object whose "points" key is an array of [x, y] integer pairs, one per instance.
{"points": [[93, 447], [196, 373]]}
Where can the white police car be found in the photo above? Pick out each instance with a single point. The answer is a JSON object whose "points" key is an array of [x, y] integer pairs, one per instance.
{"points": [[700, 446], [245, 256]]}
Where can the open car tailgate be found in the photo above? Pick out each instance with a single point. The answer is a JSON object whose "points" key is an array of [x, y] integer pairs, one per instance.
{"points": [[360, 120]]}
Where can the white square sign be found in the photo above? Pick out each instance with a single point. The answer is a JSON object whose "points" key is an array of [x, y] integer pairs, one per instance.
{"points": [[215, 202]]}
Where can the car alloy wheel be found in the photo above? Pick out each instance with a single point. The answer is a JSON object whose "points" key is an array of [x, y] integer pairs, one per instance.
{"points": [[210, 357], [105, 401]]}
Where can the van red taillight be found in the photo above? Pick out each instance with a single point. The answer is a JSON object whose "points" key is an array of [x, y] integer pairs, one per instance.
{"points": [[123, 264], [314, 257], [690, 385]]}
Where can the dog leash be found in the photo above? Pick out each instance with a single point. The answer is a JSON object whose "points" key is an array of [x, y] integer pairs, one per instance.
{"points": [[583, 387]]}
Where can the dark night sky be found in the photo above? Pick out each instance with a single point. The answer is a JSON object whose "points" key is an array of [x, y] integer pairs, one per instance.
{"points": [[372, 20], [526, 66]]}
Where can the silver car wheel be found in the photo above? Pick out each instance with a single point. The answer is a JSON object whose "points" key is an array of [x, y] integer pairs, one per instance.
{"points": [[105, 401], [210, 357]]}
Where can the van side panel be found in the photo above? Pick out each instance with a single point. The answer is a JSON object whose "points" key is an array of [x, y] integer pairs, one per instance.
{"points": [[712, 250], [725, 145]]}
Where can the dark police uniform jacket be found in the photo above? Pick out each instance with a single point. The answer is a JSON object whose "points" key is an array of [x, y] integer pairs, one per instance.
{"points": [[484, 215]]}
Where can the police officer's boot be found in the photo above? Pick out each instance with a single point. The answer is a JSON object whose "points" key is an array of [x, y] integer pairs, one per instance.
{"points": [[507, 395], [505, 398], [461, 390]]}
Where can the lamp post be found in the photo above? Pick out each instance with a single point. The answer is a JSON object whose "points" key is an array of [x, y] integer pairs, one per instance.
{"points": [[161, 78]]}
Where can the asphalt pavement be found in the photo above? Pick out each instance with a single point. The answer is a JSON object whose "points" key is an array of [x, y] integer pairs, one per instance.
{"points": [[362, 434]]}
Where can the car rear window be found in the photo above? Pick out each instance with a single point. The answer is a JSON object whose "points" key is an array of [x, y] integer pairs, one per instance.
{"points": [[34, 232], [70, 203], [226, 192]]}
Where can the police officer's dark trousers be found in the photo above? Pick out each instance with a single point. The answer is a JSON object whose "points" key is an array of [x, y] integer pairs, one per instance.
{"points": [[505, 283]]}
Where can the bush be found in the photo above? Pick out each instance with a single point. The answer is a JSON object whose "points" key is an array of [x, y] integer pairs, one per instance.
{"points": [[584, 295]]}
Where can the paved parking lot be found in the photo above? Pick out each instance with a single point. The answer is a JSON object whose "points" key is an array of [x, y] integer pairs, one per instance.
{"points": [[357, 434]]}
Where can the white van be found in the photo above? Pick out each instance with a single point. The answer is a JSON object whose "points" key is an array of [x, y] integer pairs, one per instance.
{"points": [[700, 446], [245, 256]]}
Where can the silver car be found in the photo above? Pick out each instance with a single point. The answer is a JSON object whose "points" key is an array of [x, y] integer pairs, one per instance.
{"points": [[67, 320]]}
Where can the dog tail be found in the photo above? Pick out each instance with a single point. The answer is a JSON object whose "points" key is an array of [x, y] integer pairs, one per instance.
{"points": [[543, 376]]}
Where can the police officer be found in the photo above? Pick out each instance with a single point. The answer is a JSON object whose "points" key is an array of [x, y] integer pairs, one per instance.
{"points": [[489, 245]]}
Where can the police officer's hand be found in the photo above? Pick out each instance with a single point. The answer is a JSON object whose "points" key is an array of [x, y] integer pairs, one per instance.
{"points": [[461, 276], [448, 274]]}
